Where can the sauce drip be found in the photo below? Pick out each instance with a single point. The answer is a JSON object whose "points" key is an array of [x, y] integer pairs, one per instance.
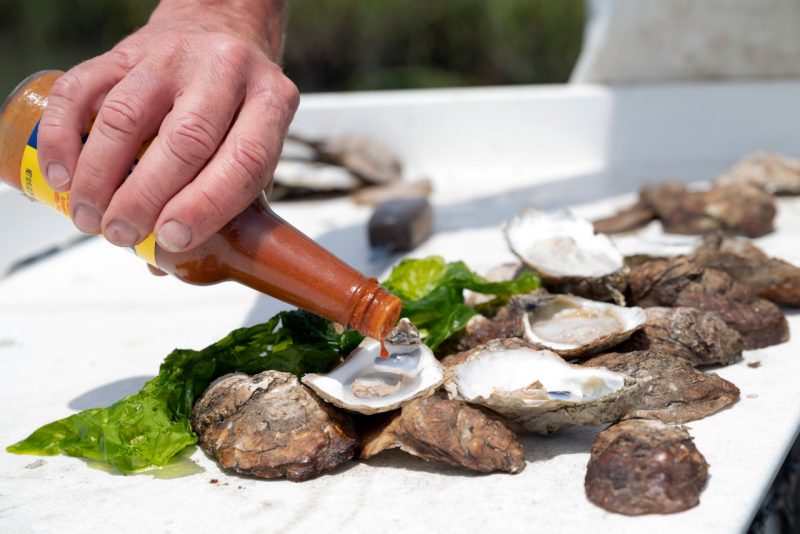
{"points": [[384, 350]]}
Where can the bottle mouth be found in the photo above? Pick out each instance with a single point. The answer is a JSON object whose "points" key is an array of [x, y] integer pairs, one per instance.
{"points": [[19, 88]]}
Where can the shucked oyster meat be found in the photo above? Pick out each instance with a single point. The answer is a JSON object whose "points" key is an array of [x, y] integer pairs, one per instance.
{"points": [[676, 393], [367, 383], [701, 338], [572, 326], [537, 389], [269, 425], [450, 432], [645, 467], [567, 254]]}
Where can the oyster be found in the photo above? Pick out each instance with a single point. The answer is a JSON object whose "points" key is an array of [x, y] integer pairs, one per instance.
{"points": [[573, 326], [701, 338], [313, 176], [652, 242], [678, 393], [269, 425], [770, 278], [682, 282], [774, 173], [645, 467], [738, 209], [537, 389], [567, 254], [450, 432], [367, 383], [371, 161]]}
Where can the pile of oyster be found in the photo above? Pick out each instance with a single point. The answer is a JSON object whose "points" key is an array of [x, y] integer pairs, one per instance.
{"points": [[612, 338], [365, 169]]}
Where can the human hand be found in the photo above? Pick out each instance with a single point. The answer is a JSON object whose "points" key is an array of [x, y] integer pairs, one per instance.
{"points": [[200, 80]]}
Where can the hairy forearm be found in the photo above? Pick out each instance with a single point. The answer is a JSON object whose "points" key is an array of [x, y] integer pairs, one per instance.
{"points": [[259, 21]]}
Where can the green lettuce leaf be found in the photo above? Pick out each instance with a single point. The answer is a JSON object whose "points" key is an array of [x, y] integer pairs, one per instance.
{"points": [[152, 426], [433, 294]]}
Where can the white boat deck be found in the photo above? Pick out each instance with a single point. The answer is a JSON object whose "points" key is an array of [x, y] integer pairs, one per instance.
{"points": [[89, 325]]}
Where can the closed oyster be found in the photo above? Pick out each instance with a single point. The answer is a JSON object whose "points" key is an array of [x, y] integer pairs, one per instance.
{"points": [[371, 161], [573, 326], [701, 338], [682, 282], [270, 426], [677, 392], [567, 254], [742, 209], [770, 278], [774, 173], [645, 467], [537, 389], [450, 432], [367, 383]]}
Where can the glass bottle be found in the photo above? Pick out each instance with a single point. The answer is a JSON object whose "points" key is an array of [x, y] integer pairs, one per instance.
{"points": [[257, 248]]}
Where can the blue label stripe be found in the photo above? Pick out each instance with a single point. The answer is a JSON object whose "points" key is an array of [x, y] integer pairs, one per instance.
{"points": [[33, 140]]}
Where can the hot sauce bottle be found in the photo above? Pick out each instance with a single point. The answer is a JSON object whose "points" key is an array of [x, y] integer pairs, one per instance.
{"points": [[257, 248]]}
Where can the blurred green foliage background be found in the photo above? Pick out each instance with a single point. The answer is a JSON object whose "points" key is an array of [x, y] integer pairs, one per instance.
{"points": [[333, 45]]}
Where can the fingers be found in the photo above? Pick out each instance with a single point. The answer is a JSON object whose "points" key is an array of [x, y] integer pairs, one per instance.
{"points": [[66, 116], [129, 115], [187, 139], [239, 170]]}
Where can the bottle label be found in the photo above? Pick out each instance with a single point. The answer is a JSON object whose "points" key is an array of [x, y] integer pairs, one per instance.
{"points": [[35, 186]]}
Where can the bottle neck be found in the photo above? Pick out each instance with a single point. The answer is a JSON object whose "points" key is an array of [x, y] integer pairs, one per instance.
{"points": [[268, 254]]}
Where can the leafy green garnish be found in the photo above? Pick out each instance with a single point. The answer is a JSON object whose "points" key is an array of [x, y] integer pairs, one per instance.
{"points": [[151, 426], [433, 294]]}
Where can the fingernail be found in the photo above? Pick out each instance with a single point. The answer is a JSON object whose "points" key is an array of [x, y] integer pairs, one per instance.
{"points": [[174, 236], [57, 175], [121, 233], [87, 219]]}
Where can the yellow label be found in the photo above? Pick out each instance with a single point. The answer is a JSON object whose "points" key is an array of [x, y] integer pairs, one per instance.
{"points": [[35, 186]]}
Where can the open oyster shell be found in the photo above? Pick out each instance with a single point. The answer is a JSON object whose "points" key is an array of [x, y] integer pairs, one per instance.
{"points": [[368, 384], [774, 173], [572, 326], [567, 254], [537, 389]]}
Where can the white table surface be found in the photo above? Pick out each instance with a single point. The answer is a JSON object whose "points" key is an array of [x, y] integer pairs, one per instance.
{"points": [[90, 325]]}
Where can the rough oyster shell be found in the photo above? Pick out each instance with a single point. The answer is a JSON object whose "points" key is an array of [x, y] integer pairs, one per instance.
{"points": [[567, 254], [677, 392], [682, 282], [367, 384], [770, 278], [537, 389], [774, 173], [701, 338], [573, 326], [450, 432], [645, 467], [269, 425]]}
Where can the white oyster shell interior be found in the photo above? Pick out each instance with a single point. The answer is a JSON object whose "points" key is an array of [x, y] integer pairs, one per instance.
{"points": [[568, 323], [560, 244], [521, 370], [653, 241], [367, 384]]}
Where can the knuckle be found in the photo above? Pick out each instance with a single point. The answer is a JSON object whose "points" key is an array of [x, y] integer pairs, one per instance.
{"points": [[193, 139], [120, 117], [249, 161], [232, 52], [123, 56], [66, 88], [212, 209], [289, 94]]}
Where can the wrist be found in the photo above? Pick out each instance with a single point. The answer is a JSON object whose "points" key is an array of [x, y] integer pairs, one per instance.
{"points": [[257, 21]]}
